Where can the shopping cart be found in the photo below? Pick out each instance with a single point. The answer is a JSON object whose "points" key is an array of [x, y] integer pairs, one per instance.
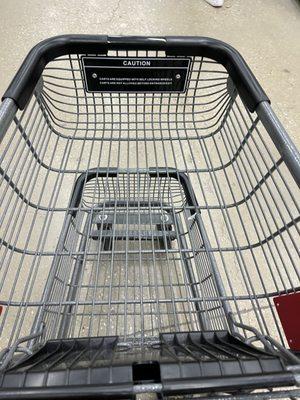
{"points": [[149, 225]]}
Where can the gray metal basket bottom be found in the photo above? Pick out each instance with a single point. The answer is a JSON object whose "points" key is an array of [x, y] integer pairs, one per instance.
{"points": [[143, 267]]}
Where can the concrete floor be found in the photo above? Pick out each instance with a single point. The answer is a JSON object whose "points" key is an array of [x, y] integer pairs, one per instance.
{"points": [[266, 32]]}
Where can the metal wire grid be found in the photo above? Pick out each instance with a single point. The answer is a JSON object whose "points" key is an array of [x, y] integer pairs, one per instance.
{"points": [[136, 284], [245, 193]]}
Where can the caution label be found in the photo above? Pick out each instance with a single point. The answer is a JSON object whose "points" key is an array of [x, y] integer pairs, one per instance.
{"points": [[116, 74]]}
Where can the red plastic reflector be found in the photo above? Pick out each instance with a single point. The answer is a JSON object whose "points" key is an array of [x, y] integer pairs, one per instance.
{"points": [[288, 308], [1, 308]]}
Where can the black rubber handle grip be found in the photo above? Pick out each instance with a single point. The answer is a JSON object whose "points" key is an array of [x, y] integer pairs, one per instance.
{"points": [[25, 80]]}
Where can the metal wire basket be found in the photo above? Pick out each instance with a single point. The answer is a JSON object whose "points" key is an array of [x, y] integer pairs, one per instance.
{"points": [[149, 231]]}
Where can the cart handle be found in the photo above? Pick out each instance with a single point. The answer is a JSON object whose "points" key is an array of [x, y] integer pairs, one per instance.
{"points": [[26, 78]]}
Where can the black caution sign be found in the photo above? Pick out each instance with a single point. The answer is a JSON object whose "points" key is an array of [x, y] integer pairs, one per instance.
{"points": [[116, 74]]}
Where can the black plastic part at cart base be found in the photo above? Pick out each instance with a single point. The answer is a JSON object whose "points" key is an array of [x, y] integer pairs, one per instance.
{"points": [[24, 82], [192, 362]]}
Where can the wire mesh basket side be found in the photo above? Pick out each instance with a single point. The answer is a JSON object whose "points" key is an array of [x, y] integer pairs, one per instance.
{"points": [[244, 190]]}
